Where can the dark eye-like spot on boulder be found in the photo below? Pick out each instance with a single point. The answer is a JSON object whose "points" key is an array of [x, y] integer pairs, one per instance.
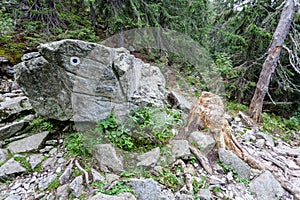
{"points": [[74, 61]]}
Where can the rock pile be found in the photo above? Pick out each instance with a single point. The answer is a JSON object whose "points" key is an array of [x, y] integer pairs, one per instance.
{"points": [[35, 164]]}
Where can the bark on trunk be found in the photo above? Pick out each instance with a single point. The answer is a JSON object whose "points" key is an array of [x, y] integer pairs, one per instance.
{"points": [[269, 65]]}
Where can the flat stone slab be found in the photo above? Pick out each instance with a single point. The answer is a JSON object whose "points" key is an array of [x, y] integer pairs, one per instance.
{"points": [[28, 144], [11, 167], [11, 129], [234, 162], [149, 158]]}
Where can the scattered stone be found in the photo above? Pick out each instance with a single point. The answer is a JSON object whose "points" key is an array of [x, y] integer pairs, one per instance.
{"points": [[202, 141], [122, 196], [149, 159], [3, 155], [11, 129], [148, 189], [76, 186], [11, 167], [12, 106], [14, 197], [63, 192], [49, 163], [97, 176], [180, 149], [35, 159], [266, 186], [44, 182], [111, 178], [178, 101], [269, 140], [108, 159], [179, 196], [205, 194], [234, 162], [260, 143], [65, 177], [30, 143]]}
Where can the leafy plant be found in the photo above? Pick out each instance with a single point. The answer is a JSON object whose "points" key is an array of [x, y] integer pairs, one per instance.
{"points": [[144, 129], [23, 162], [41, 124], [75, 146], [118, 188], [54, 184]]}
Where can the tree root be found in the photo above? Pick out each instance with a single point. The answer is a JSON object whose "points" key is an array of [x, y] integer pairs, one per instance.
{"points": [[86, 176]]}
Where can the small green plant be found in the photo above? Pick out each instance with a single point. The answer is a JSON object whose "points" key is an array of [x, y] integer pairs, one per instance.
{"points": [[54, 184], [244, 180], [228, 169], [46, 126], [216, 189], [76, 172], [75, 146], [23, 162], [144, 129], [119, 188], [41, 124]]}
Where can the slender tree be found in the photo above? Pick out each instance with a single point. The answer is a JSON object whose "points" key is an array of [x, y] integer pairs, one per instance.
{"points": [[269, 65]]}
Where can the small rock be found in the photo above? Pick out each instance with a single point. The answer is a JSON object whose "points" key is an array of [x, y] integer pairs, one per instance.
{"points": [[179, 196], [260, 143], [269, 140], [43, 183], [97, 176], [150, 158], [28, 144], [108, 159], [216, 181], [3, 155], [35, 159], [148, 189], [63, 192], [76, 186], [111, 177], [205, 194], [49, 163], [229, 177], [180, 149], [234, 162], [11, 167], [266, 186], [46, 149], [292, 165], [14, 197], [51, 142], [298, 161], [203, 141], [122, 196], [178, 101], [65, 177]]}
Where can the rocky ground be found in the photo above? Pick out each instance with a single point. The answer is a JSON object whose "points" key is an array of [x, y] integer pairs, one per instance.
{"points": [[35, 164]]}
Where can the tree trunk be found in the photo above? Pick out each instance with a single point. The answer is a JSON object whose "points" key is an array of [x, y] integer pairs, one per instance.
{"points": [[269, 65]]}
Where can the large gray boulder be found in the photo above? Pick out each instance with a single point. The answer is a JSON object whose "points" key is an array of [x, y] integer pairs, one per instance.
{"points": [[265, 186], [84, 82]]}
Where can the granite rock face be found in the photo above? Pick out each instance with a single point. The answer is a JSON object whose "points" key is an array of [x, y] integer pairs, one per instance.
{"points": [[84, 82]]}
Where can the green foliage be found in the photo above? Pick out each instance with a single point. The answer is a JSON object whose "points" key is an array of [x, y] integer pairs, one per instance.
{"points": [[144, 129], [118, 188], [228, 169], [234, 108], [75, 146], [54, 185], [285, 128], [167, 178], [41, 124], [23, 162]]}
